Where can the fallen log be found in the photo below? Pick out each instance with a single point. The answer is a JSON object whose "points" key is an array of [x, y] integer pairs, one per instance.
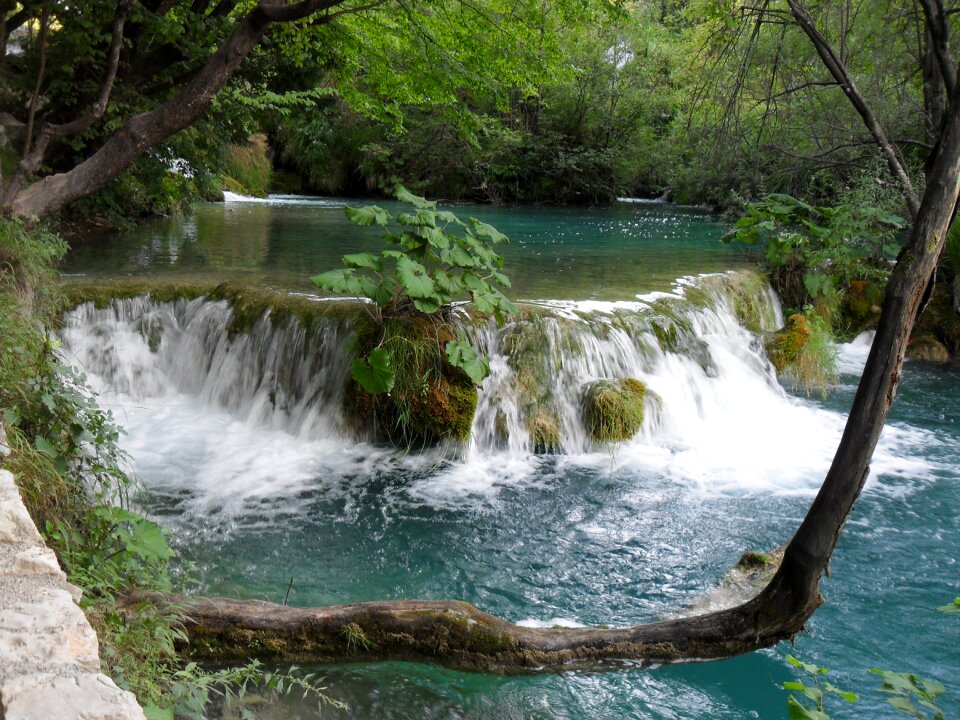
{"points": [[458, 634]]}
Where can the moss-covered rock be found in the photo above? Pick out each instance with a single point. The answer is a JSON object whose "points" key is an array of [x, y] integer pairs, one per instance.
{"points": [[431, 401], [613, 409], [927, 347], [860, 308], [786, 345], [544, 427], [940, 322]]}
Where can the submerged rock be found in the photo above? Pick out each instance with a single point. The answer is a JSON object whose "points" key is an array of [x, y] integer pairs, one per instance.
{"points": [[613, 409], [927, 347]]}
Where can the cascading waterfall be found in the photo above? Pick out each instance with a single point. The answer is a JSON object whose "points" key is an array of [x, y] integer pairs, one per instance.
{"points": [[715, 415], [287, 378]]}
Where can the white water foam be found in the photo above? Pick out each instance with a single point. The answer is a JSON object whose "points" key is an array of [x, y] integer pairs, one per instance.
{"points": [[231, 423]]}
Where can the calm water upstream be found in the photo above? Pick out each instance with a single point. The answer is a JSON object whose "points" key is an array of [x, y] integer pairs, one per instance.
{"points": [[585, 537]]}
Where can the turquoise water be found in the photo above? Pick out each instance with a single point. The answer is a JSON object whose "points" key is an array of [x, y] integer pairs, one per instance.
{"points": [[563, 253], [607, 538]]}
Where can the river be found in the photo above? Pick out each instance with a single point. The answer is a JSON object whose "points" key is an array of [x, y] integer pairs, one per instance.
{"points": [[257, 494]]}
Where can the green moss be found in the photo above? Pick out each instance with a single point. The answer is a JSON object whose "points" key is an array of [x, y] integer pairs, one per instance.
{"points": [[804, 352], [431, 401], [247, 169], [939, 321], [752, 561], [249, 302], [613, 409], [544, 427]]}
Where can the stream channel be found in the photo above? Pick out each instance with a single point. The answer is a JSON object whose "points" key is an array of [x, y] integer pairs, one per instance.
{"points": [[241, 448]]}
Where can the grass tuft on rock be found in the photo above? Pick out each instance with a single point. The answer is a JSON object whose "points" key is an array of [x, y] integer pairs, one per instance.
{"points": [[613, 409]]}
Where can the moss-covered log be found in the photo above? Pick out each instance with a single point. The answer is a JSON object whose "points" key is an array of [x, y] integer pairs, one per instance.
{"points": [[457, 634]]}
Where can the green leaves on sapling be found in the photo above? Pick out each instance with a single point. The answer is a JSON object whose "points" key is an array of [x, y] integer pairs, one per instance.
{"points": [[374, 373], [433, 258], [810, 704], [463, 355], [907, 691]]}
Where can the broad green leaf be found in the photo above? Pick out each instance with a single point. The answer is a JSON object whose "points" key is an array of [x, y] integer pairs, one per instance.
{"points": [[798, 686], [422, 218], [368, 215], [474, 282], [448, 217], [374, 372], [414, 279], [427, 305], [458, 257], [449, 284], [484, 230], [45, 447], [463, 355], [152, 712], [436, 237], [385, 291], [848, 696], [501, 278], [797, 711], [335, 281], [404, 195], [363, 260], [903, 704]]}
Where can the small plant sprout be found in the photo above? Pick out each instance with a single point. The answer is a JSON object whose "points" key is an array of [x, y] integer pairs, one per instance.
{"points": [[810, 705]]}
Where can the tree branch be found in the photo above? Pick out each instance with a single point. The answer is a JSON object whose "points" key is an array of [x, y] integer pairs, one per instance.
{"points": [[937, 26], [839, 72], [33, 158]]}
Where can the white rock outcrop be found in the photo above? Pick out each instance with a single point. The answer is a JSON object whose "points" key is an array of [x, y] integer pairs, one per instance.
{"points": [[49, 658]]}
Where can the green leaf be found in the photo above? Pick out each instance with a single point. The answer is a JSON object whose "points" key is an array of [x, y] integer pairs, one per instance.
{"points": [[458, 257], [797, 711], [449, 217], [385, 291], [463, 355], [404, 195], [848, 696], [363, 260], [436, 237], [414, 279], [953, 607], [484, 230], [45, 447], [427, 305], [335, 281], [903, 704], [448, 283], [374, 373], [422, 218], [368, 215], [798, 686], [152, 712]]}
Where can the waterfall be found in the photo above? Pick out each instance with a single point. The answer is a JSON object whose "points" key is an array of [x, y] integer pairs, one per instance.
{"points": [[252, 407], [284, 377]]}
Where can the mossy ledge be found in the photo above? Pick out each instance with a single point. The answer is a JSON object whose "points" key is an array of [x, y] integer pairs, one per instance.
{"points": [[249, 302], [432, 401]]}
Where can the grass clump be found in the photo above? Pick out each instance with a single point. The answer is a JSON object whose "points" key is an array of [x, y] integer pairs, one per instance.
{"points": [[804, 352], [613, 409], [247, 169], [431, 401]]}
